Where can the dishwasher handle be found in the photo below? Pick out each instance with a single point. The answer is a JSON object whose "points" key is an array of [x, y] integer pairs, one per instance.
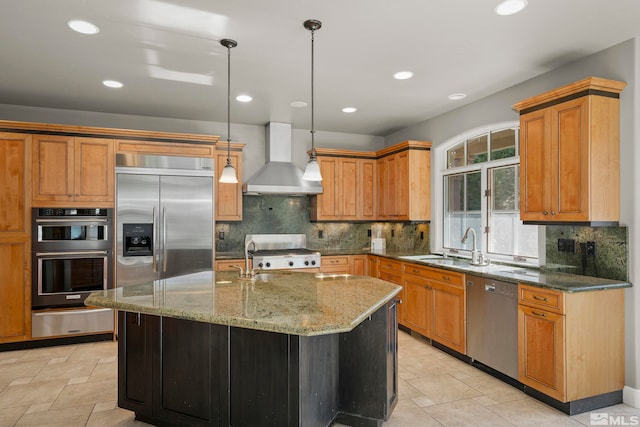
{"points": [[490, 288]]}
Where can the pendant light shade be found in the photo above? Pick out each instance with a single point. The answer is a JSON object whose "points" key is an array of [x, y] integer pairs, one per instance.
{"points": [[312, 171], [228, 175]]}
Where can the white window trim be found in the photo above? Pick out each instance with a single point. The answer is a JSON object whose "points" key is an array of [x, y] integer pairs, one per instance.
{"points": [[439, 166]]}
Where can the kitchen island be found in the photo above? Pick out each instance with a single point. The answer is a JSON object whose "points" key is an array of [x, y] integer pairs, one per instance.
{"points": [[287, 349]]}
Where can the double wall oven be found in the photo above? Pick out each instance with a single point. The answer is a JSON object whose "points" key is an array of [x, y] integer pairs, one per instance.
{"points": [[72, 257]]}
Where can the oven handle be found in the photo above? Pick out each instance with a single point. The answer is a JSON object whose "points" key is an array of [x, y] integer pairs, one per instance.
{"points": [[72, 220], [71, 253], [155, 241]]}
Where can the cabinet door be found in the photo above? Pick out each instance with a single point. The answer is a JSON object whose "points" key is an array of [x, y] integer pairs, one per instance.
{"points": [[541, 351], [570, 121], [536, 178], [15, 290], [359, 265], [347, 188], [94, 170], [417, 304], [448, 325], [53, 168], [327, 203], [228, 196], [367, 185], [15, 179], [401, 183], [387, 187]]}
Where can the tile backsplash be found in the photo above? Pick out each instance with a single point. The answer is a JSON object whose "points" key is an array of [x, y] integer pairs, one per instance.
{"points": [[610, 260], [290, 214]]}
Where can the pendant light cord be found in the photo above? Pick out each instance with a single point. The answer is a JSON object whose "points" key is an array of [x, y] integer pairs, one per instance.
{"points": [[313, 149], [228, 105]]}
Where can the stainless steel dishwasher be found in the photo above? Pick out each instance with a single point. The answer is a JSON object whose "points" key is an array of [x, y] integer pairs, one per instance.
{"points": [[492, 324]]}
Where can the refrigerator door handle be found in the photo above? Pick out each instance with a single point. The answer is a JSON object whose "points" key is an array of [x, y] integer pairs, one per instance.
{"points": [[155, 241], [164, 240]]}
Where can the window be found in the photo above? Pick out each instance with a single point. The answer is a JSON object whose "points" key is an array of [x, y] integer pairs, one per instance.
{"points": [[480, 189]]}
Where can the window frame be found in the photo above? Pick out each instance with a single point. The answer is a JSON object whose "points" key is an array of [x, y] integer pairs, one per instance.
{"points": [[439, 171]]}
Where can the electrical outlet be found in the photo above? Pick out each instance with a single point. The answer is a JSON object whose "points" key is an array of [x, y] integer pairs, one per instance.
{"points": [[221, 235], [566, 245], [591, 248], [320, 234], [369, 233], [392, 233], [422, 235]]}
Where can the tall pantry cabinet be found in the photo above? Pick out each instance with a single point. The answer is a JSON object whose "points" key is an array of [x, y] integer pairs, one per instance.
{"points": [[15, 236], [570, 154]]}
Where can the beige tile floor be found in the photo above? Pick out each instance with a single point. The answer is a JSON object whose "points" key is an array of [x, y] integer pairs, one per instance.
{"points": [[75, 385]]}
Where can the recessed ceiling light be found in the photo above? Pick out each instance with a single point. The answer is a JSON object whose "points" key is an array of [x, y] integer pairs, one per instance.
{"points": [[298, 104], [112, 84], [349, 109], [244, 98], [403, 75], [457, 96], [83, 27], [509, 7]]}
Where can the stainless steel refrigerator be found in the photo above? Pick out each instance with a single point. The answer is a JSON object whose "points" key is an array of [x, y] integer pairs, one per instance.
{"points": [[164, 217]]}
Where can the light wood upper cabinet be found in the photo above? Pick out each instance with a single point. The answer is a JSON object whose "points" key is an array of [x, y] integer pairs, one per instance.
{"points": [[228, 196], [571, 345], [570, 154], [72, 171], [349, 183], [15, 237], [404, 182]]}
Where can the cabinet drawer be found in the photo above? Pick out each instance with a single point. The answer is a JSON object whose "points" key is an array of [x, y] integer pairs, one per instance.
{"points": [[327, 261], [227, 264], [445, 276], [545, 299], [390, 265], [390, 277], [416, 270]]}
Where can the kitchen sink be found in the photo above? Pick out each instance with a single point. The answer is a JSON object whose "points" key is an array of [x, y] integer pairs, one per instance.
{"points": [[427, 257]]}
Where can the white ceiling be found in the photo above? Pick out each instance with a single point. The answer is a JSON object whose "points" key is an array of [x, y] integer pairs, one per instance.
{"points": [[167, 53]]}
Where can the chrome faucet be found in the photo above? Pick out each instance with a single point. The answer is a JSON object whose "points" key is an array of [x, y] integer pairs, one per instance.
{"points": [[477, 258], [247, 271]]}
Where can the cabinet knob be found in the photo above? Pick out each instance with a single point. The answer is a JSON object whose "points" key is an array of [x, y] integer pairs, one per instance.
{"points": [[553, 213], [545, 213]]}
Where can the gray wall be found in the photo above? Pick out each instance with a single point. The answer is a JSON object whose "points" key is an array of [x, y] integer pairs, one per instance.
{"points": [[620, 62]]}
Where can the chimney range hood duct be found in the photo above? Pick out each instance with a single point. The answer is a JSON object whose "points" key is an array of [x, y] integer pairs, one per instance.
{"points": [[279, 175]]}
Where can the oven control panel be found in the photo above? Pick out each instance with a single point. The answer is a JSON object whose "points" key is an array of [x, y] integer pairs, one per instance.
{"points": [[286, 262]]}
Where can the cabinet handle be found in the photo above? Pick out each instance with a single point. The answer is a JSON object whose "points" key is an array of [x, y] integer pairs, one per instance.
{"points": [[536, 297], [447, 278], [537, 313]]}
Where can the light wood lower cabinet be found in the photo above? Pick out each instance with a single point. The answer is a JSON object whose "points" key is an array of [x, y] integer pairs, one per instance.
{"points": [[15, 237], [418, 299], [571, 345], [449, 309], [228, 264], [345, 264]]}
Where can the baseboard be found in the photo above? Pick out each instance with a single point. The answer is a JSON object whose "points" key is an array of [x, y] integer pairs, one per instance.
{"points": [[631, 396]]}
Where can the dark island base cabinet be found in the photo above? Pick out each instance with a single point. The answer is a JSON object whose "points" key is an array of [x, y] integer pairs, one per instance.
{"points": [[174, 372]]}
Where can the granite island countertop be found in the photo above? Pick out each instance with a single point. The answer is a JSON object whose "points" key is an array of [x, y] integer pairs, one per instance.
{"points": [[287, 302]]}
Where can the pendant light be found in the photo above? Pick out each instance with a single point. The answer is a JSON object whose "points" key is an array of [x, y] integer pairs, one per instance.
{"points": [[228, 175], [312, 171]]}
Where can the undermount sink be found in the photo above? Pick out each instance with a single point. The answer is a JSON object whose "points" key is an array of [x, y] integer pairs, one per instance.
{"points": [[427, 257]]}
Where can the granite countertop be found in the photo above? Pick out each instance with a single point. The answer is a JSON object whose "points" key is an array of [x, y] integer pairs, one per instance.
{"points": [[540, 277], [286, 302]]}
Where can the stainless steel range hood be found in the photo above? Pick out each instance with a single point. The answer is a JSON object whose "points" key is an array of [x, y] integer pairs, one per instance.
{"points": [[279, 175]]}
